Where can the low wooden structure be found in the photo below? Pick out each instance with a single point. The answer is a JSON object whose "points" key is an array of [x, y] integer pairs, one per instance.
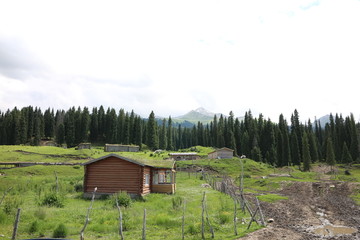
{"points": [[121, 148], [84, 146], [184, 156], [113, 173], [221, 153]]}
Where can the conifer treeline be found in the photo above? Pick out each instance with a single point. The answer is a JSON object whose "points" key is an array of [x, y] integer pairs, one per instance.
{"points": [[279, 143]]}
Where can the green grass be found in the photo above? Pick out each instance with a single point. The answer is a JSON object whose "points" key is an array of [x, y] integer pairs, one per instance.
{"points": [[271, 198], [30, 185]]}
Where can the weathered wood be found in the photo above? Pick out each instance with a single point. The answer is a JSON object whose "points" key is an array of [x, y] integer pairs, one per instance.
{"points": [[203, 217], [183, 222], [57, 182], [261, 214], [235, 218], [88, 215], [4, 195], [120, 218], [16, 224], [144, 226]]}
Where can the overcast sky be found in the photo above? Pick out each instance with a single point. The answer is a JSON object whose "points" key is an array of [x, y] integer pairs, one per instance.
{"points": [[174, 56]]}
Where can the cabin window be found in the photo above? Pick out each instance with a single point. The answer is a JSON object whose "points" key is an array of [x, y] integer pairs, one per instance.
{"points": [[162, 177], [147, 179]]}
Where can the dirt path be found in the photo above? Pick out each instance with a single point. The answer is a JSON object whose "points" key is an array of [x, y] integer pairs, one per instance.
{"points": [[321, 210]]}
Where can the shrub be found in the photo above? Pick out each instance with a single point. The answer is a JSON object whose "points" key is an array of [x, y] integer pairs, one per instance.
{"points": [[61, 231], [40, 213], [52, 199], [192, 229], [176, 202], [224, 217], [12, 203], [34, 227], [123, 198], [78, 187]]}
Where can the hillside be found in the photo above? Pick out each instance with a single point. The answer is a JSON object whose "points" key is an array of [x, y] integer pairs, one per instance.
{"points": [[197, 115]]}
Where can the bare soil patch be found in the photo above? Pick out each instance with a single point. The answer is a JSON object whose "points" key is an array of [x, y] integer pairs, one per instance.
{"points": [[320, 210]]}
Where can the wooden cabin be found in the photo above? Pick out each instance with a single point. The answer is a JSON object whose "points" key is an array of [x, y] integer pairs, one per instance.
{"points": [[113, 173], [184, 156], [84, 146], [221, 153], [120, 148]]}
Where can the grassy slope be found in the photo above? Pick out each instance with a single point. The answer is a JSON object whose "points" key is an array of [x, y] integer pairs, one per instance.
{"points": [[30, 184]]}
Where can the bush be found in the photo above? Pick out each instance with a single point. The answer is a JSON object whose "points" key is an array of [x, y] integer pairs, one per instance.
{"points": [[52, 199], [11, 204], [61, 231], [176, 202], [78, 187], [123, 199], [40, 213], [224, 217], [34, 227]]}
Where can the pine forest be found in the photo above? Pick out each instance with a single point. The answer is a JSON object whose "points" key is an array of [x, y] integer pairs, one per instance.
{"points": [[279, 143]]}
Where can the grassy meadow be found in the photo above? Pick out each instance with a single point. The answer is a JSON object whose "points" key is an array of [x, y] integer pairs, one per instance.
{"points": [[32, 187], [42, 210]]}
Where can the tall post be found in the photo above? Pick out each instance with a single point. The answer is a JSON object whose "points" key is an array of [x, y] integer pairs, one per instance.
{"points": [[16, 224], [144, 226], [88, 215], [120, 218]]}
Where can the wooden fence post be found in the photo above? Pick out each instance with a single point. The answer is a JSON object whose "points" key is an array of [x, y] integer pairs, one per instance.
{"points": [[235, 218], [183, 222], [144, 226], [202, 217], [16, 224], [5, 193], [87, 215], [120, 218]]}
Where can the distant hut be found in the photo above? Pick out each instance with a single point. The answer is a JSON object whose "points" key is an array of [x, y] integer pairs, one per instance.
{"points": [[121, 148], [114, 173], [184, 156], [47, 143], [221, 153], [84, 146]]}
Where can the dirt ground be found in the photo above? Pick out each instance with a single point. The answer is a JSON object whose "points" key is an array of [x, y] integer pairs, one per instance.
{"points": [[320, 210]]}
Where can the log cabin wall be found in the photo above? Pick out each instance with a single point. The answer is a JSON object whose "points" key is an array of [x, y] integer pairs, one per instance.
{"points": [[113, 174]]}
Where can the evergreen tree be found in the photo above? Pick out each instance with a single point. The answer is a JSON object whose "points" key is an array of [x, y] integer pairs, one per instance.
{"points": [[330, 155], [60, 134], [295, 152], [85, 124], [354, 146], [306, 152], [69, 123], [94, 126], [138, 131], [49, 123], [346, 156], [152, 135], [163, 137], [170, 143], [121, 126]]}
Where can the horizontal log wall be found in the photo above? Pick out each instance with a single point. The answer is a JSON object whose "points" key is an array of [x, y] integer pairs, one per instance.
{"points": [[163, 188], [112, 175]]}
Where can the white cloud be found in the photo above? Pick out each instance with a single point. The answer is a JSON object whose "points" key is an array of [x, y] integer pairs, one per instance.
{"points": [[174, 56]]}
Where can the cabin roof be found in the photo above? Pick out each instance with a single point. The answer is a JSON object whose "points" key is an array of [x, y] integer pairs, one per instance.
{"points": [[141, 162], [224, 148], [183, 154]]}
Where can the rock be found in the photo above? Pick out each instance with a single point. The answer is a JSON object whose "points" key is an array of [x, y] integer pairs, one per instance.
{"points": [[205, 185], [270, 220]]}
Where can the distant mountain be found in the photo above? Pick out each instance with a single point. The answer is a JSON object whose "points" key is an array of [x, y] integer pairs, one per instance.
{"points": [[197, 115], [324, 120]]}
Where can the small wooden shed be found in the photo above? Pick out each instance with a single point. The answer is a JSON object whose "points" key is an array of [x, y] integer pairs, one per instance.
{"points": [[121, 148], [221, 153], [113, 173], [184, 156], [84, 146]]}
